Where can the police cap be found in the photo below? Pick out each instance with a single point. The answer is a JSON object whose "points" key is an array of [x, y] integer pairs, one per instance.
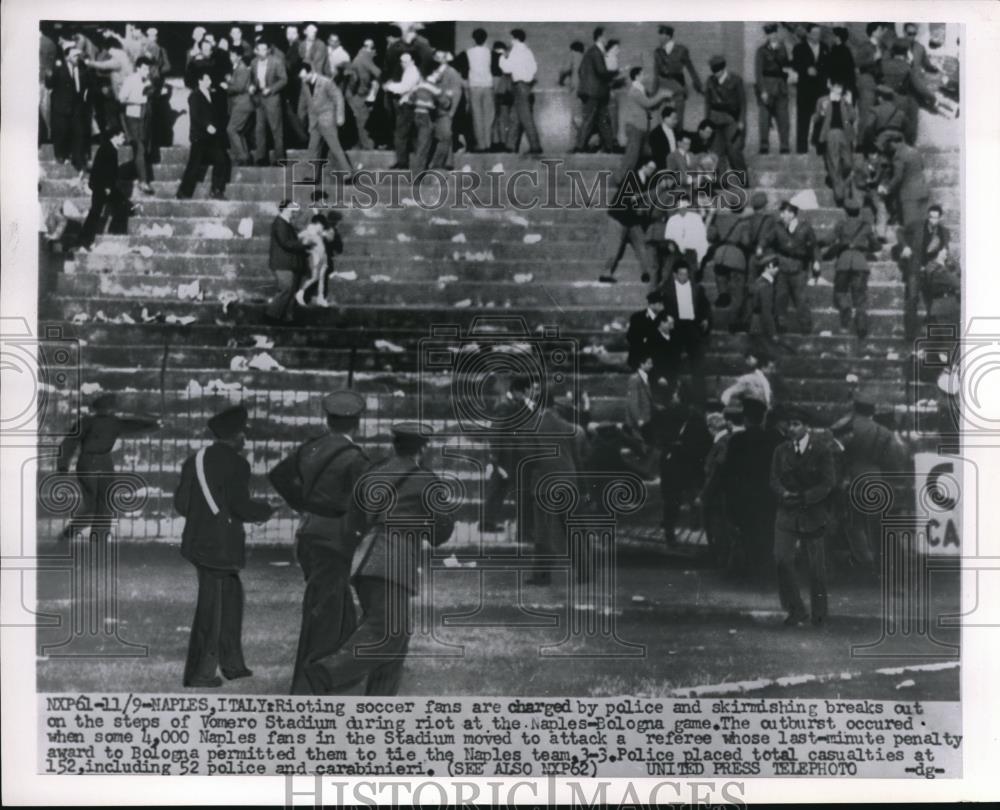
{"points": [[412, 430], [717, 63], [758, 200], [229, 422], [343, 404]]}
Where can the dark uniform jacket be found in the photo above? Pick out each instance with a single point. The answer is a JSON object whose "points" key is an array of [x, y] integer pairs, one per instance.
{"points": [[853, 239], [217, 540], [725, 102], [730, 237], [746, 473], [871, 447], [395, 557], [319, 480], [811, 476], [798, 250], [65, 99], [204, 113], [672, 66], [644, 338], [908, 181], [96, 437], [769, 73], [760, 227], [898, 74]]}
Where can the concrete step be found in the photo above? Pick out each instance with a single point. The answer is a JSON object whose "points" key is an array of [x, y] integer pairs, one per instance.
{"points": [[372, 159], [883, 322], [332, 338], [881, 294], [484, 263]]}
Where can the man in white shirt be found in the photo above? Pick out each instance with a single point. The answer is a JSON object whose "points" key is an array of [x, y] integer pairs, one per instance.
{"points": [[336, 57], [520, 64], [755, 383], [134, 97], [480, 83], [689, 315], [686, 229], [401, 90]]}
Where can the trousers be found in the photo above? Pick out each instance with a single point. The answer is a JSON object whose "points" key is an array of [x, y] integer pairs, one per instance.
{"points": [[785, 545], [217, 628]]}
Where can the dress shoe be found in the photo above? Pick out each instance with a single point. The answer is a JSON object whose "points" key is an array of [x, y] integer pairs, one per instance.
{"points": [[211, 683], [644, 278], [240, 673]]}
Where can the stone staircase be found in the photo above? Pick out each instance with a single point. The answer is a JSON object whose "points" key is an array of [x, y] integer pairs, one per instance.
{"points": [[506, 272]]}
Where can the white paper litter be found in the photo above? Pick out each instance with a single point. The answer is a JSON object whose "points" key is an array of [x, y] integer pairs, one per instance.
{"points": [[264, 362], [238, 363], [497, 167], [90, 388], [126, 318], [157, 229], [517, 219], [189, 292], [447, 279], [182, 320], [402, 237], [906, 684], [826, 333], [345, 275], [851, 378], [380, 279], [467, 168], [638, 598], [262, 342], [532, 238], [473, 256], [443, 221], [110, 248], [805, 200], [409, 202], [386, 346], [465, 302], [245, 228], [459, 239], [80, 317], [214, 230], [523, 278], [892, 356], [227, 298], [143, 250]]}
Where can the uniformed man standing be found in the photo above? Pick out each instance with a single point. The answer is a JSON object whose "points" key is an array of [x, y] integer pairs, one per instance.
{"points": [[214, 498], [796, 243], [770, 65], [729, 236], [384, 568], [868, 448], [758, 310], [318, 480], [726, 108], [853, 239], [802, 477], [95, 436]]}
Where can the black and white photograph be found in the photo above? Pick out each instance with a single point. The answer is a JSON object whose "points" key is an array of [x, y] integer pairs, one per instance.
{"points": [[398, 393]]}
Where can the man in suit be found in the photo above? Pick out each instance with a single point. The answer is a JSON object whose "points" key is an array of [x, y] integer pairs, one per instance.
{"points": [[867, 60], [907, 186], [886, 118], [663, 140], [337, 59], [810, 58], [269, 77], [323, 103], [647, 336], [917, 52], [214, 498], [640, 405], [452, 89], [104, 189], [795, 241], [689, 314], [295, 133], [770, 65], [726, 108], [545, 531], [207, 142], [595, 93], [835, 124], [634, 109], [670, 60], [917, 249], [313, 49], [758, 316], [840, 67], [629, 216], [853, 239], [750, 503], [69, 110], [241, 108], [95, 437], [362, 85], [318, 480], [287, 257], [802, 477], [384, 568]]}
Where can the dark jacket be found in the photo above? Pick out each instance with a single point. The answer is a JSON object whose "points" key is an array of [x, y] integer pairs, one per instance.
{"points": [[104, 169], [95, 436], [769, 71], [907, 181], [871, 447], [217, 540], [730, 239], [725, 102], [204, 113], [702, 307], [802, 60], [65, 100], [746, 473], [286, 251], [809, 477], [595, 78], [644, 338], [759, 313], [318, 479], [798, 250], [853, 239], [396, 556], [671, 66]]}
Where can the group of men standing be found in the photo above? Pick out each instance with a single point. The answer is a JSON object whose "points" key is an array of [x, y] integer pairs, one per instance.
{"points": [[365, 531]]}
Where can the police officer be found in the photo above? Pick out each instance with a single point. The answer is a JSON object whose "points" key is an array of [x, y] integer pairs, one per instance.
{"points": [[730, 237], [853, 239], [770, 65], [95, 436], [384, 567], [318, 480], [760, 231], [726, 108], [803, 475], [214, 498], [796, 243], [868, 448], [758, 315]]}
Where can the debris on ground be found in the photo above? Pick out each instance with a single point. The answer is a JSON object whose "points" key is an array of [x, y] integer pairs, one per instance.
{"points": [[264, 362], [385, 346], [532, 238], [459, 239]]}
